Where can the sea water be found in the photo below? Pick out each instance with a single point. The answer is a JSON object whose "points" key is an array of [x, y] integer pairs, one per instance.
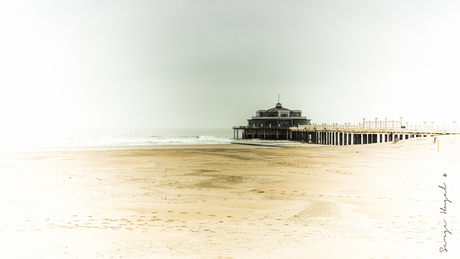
{"points": [[127, 137]]}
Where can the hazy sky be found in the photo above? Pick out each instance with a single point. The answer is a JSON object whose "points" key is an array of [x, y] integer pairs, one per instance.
{"points": [[214, 63]]}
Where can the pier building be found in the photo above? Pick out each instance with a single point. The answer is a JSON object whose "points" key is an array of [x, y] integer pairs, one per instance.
{"points": [[274, 124]]}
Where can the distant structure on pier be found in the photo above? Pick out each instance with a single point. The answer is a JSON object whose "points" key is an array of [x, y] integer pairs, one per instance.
{"points": [[272, 124]]}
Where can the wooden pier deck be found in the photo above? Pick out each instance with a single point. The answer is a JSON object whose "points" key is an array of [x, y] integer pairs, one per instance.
{"points": [[368, 132]]}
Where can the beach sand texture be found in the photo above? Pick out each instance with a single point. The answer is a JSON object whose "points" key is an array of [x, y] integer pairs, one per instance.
{"points": [[232, 201]]}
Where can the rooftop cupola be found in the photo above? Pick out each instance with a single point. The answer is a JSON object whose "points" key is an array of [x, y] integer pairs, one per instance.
{"points": [[279, 106]]}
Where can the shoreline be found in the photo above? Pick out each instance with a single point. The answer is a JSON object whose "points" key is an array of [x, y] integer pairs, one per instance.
{"points": [[210, 201], [178, 146]]}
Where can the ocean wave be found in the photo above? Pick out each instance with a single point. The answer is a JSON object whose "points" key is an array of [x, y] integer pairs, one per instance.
{"points": [[93, 139]]}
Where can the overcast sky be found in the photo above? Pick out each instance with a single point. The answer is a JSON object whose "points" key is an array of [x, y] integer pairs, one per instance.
{"points": [[214, 63]]}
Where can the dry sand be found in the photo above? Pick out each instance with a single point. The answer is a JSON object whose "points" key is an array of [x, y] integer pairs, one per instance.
{"points": [[232, 201]]}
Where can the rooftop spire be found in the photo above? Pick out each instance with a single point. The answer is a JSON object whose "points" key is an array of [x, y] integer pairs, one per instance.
{"points": [[278, 105]]}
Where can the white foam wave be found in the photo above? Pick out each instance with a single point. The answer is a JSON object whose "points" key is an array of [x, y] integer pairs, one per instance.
{"points": [[94, 139]]}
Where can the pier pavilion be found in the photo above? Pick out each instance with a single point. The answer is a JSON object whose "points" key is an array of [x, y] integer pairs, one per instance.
{"points": [[274, 123]]}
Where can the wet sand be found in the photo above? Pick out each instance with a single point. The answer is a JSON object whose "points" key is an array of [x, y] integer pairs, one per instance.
{"points": [[232, 201]]}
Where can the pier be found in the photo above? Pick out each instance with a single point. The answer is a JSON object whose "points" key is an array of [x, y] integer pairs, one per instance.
{"points": [[368, 132], [280, 123]]}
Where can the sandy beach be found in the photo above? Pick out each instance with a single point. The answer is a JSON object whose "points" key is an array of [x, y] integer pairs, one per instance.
{"points": [[232, 201]]}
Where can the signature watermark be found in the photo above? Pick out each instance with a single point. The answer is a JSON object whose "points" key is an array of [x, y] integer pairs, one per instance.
{"points": [[444, 211]]}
